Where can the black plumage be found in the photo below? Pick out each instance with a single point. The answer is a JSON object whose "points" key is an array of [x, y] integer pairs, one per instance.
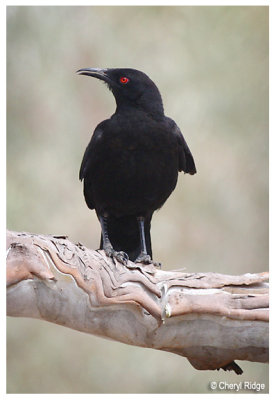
{"points": [[130, 167]]}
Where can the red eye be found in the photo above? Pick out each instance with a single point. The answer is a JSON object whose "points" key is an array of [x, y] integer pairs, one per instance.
{"points": [[124, 80]]}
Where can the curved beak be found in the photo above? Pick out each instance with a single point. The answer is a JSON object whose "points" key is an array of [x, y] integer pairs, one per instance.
{"points": [[95, 73]]}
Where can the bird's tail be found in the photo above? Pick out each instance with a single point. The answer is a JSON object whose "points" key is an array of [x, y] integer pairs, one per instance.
{"points": [[124, 235]]}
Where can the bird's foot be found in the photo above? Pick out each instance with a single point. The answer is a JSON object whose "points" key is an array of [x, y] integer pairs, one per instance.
{"points": [[120, 256], [144, 258]]}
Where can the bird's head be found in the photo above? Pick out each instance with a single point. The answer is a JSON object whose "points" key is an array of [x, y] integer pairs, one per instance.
{"points": [[130, 87]]}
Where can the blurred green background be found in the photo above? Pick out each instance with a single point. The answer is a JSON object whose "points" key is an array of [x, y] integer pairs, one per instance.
{"points": [[211, 66]]}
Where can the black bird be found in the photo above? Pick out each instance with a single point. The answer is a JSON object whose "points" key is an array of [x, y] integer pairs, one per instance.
{"points": [[130, 167]]}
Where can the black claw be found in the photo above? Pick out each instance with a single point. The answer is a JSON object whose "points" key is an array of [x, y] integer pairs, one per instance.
{"points": [[120, 256], [146, 259], [157, 264]]}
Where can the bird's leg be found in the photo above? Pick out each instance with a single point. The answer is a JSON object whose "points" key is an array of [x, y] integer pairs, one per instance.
{"points": [[143, 256], [120, 256]]}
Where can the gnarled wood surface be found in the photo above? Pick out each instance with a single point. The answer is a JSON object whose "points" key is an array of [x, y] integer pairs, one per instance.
{"points": [[212, 319]]}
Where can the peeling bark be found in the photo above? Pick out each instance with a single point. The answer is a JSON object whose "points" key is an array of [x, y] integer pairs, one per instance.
{"points": [[212, 319]]}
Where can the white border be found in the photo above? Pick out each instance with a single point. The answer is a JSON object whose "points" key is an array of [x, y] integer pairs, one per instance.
{"points": [[272, 185]]}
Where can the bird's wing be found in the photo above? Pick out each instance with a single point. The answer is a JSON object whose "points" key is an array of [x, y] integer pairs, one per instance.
{"points": [[185, 158], [89, 152]]}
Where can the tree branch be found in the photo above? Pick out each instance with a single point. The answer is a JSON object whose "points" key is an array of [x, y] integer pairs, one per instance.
{"points": [[212, 319]]}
